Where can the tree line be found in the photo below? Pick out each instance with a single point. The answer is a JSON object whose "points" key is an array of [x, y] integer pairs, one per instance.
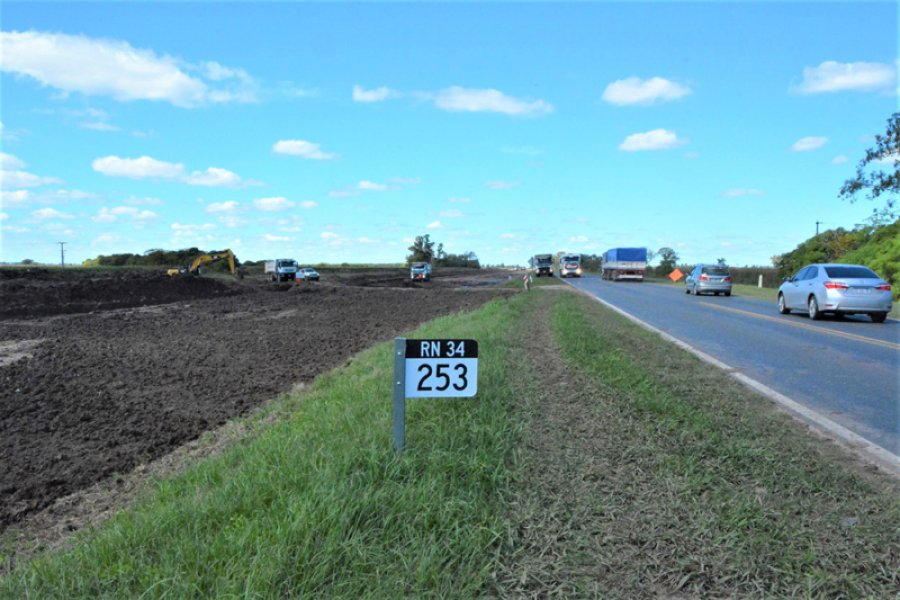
{"points": [[423, 250]]}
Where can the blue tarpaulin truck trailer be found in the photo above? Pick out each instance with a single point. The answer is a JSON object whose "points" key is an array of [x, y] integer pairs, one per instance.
{"points": [[624, 263]]}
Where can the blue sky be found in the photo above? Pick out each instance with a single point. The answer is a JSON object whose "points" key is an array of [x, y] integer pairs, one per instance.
{"points": [[337, 132]]}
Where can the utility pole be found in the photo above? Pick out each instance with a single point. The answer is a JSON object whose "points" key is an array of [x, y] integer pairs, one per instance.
{"points": [[62, 253], [817, 227]]}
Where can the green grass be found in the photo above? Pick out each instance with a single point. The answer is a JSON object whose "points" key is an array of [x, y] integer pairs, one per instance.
{"points": [[319, 505], [517, 281], [711, 493], [726, 483]]}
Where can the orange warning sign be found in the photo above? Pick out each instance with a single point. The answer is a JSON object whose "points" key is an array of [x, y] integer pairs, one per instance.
{"points": [[676, 275]]}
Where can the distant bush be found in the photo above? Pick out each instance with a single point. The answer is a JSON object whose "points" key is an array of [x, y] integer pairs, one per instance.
{"points": [[881, 253]]}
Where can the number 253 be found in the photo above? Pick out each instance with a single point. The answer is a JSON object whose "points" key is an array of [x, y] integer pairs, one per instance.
{"points": [[456, 378]]}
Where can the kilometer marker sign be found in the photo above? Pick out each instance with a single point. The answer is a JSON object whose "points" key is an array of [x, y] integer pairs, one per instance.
{"points": [[431, 369], [441, 368]]}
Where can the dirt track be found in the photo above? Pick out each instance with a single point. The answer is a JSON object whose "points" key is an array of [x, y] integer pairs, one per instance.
{"points": [[103, 373]]}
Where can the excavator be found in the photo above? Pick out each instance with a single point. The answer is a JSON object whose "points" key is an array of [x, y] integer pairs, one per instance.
{"points": [[193, 269]]}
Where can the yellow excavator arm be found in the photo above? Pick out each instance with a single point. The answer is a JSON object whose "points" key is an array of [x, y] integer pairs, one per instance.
{"points": [[194, 267]]}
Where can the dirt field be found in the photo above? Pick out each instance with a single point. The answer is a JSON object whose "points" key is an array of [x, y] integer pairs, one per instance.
{"points": [[102, 373]]}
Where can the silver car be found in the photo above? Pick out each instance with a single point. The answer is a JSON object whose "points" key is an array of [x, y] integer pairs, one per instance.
{"points": [[708, 279], [838, 289]]}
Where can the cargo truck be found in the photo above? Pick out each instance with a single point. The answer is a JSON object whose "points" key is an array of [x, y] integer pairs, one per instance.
{"points": [[541, 264], [281, 269], [420, 271], [570, 265], [624, 263]]}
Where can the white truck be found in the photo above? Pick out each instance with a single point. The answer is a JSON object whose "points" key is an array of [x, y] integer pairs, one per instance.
{"points": [[281, 269], [541, 264], [570, 265], [420, 271]]}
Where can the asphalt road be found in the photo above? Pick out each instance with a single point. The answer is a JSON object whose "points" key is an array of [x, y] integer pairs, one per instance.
{"points": [[846, 370]]}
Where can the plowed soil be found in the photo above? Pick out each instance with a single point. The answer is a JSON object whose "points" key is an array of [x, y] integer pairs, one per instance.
{"points": [[102, 373]]}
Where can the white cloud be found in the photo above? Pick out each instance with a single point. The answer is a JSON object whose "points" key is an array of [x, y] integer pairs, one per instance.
{"points": [[376, 95], [840, 159], [95, 66], [890, 159], [218, 207], [15, 198], [500, 185], [191, 231], [49, 213], [276, 238], [832, 76], [23, 179], [459, 200], [231, 221], [3, 216], [328, 235], [61, 195], [633, 90], [657, 139], [308, 204], [213, 177], [372, 186], [303, 149], [273, 204], [578, 239], [458, 99], [144, 167], [452, 214], [147, 167], [109, 215], [739, 192], [808, 143], [434, 225], [8, 162]]}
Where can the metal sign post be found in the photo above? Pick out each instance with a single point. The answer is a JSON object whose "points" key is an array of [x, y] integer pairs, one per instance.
{"points": [[399, 393], [431, 369]]}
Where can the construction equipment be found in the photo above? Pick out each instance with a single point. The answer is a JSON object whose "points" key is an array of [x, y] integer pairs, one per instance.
{"points": [[193, 269]]}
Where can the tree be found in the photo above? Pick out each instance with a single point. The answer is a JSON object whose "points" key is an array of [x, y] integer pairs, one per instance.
{"points": [[668, 258], [27, 261], [422, 249], [879, 182], [721, 262]]}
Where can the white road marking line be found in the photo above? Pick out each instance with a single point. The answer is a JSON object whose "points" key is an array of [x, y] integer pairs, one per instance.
{"points": [[854, 442]]}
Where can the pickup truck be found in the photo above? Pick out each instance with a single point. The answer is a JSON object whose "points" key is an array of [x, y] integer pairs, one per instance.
{"points": [[281, 269]]}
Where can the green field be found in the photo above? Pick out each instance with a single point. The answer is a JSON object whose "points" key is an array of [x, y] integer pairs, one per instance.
{"points": [[586, 466]]}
